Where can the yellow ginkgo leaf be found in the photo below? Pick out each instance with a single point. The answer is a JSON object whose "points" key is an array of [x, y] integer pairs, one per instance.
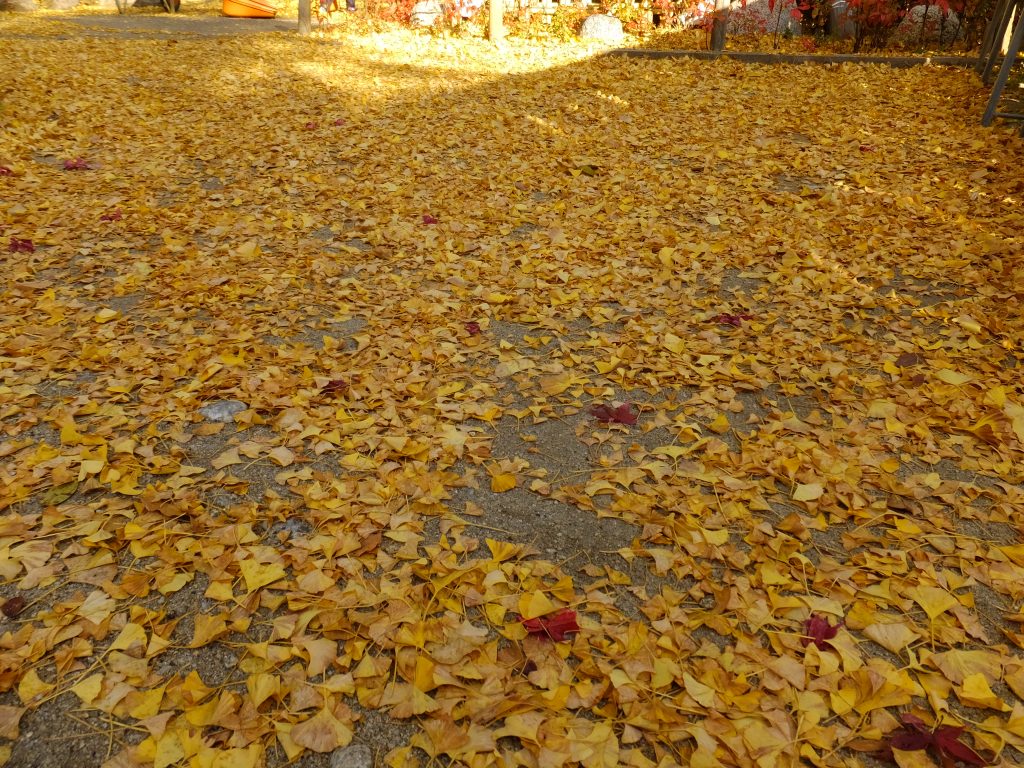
{"points": [[934, 600], [207, 629], [503, 482], [808, 492], [534, 604], [975, 692], [89, 688], [321, 733], [258, 575]]}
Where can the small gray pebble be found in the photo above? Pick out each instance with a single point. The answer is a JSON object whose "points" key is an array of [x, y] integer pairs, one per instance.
{"points": [[223, 410], [352, 756]]}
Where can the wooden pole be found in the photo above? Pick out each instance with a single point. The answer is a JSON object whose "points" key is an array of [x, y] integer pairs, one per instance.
{"points": [[496, 31], [305, 17]]}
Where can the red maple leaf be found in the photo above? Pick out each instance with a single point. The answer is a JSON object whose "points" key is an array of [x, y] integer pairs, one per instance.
{"points": [[817, 630], [473, 328], [5, 171], [78, 164], [428, 219], [114, 215], [334, 387], [943, 743], [339, 121], [621, 415], [734, 320], [17, 245], [311, 126], [555, 627]]}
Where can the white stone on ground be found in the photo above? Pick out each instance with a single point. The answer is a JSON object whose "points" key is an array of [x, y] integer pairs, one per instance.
{"points": [[603, 27], [223, 410], [425, 13], [352, 756]]}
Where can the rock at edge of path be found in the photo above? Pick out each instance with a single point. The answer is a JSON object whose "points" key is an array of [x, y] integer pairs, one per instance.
{"points": [[425, 13], [223, 410], [352, 756], [603, 27]]}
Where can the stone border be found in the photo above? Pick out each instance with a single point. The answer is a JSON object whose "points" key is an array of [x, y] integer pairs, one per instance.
{"points": [[165, 24], [751, 57]]}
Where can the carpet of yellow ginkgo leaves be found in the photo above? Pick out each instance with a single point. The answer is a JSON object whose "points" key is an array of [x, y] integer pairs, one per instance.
{"points": [[260, 216]]}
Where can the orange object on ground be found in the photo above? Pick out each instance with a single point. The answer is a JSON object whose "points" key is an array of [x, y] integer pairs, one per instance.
{"points": [[249, 9]]}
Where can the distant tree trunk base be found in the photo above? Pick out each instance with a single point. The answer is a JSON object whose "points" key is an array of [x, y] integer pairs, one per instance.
{"points": [[719, 24], [305, 20], [496, 29], [718, 28]]}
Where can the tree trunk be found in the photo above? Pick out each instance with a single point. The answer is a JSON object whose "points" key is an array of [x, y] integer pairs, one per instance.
{"points": [[496, 30], [305, 21], [718, 26]]}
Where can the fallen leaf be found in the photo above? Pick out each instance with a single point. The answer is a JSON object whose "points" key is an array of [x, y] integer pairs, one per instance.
{"points": [[808, 492], [322, 733], [942, 743], [555, 626], [934, 600], [281, 456], [18, 245], [622, 414], [819, 631], [734, 320], [10, 717], [334, 387], [503, 482]]}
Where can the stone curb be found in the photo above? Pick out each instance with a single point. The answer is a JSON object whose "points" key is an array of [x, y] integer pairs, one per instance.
{"points": [[750, 57]]}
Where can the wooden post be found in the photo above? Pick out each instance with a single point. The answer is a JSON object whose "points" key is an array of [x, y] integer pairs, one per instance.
{"points": [[718, 26], [496, 30], [305, 17]]}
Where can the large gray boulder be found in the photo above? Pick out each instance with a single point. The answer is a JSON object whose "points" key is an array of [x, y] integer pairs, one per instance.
{"points": [[425, 13], [61, 5], [756, 18], [928, 24], [602, 27]]}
